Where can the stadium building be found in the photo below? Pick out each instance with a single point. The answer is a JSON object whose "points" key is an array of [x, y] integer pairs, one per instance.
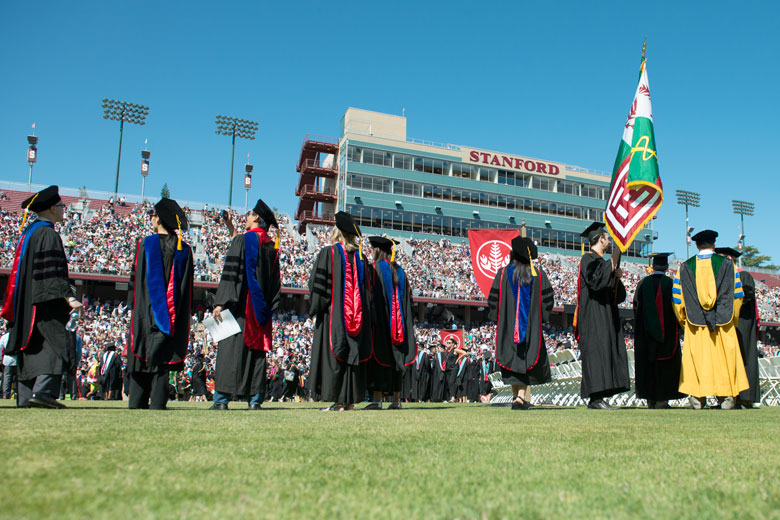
{"points": [[398, 185]]}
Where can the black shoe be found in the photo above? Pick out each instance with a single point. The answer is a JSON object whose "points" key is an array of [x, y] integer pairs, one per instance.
{"points": [[254, 407], [599, 404], [519, 404], [44, 401], [662, 405], [218, 406]]}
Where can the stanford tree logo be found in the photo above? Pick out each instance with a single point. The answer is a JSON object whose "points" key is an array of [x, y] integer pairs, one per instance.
{"points": [[492, 256]]}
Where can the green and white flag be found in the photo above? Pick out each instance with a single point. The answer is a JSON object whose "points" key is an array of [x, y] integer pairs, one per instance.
{"points": [[636, 192]]}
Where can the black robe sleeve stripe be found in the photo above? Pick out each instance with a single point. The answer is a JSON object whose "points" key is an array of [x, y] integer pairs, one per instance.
{"points": [[231, 281]]}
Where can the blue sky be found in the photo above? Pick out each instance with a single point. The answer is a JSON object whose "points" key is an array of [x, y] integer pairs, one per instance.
{"points": [[552, 80]]}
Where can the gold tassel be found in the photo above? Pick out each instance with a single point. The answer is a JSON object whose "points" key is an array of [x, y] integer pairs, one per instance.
{"points": [[650, 265], [278, 236], [582, 243], [26, 211], [178, 224], [360, 245], [392, 255], [533, 271]]}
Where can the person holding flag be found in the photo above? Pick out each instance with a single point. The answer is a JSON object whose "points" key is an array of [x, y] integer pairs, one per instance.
{"points": [[160, 292], [250, 288], [597, 321], [521, 301], [395, 347], [340, 288], [38, 303], [656, 337]]}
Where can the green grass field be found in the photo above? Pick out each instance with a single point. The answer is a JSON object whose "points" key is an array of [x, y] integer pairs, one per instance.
{"points": [[100, 460]]}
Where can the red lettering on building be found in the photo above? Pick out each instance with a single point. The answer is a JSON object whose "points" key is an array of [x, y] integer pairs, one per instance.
{"points": [[530, 166], [495, 161], [518, 164], [554, 170], [541, 167], [474, 156], [485, 157], [513, 162], [506, 161]]}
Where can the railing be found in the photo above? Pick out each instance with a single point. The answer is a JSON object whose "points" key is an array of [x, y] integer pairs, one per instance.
{"points": [[312, 190], [761, 270], [587, 170], [321, 139], [317, 163], [311, 215], [425, 142]]}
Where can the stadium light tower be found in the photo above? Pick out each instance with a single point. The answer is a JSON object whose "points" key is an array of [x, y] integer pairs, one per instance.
{"points": [[688, 198], [247, 182], [235, 127], [742, 208], [123, 111], [32, 155]]}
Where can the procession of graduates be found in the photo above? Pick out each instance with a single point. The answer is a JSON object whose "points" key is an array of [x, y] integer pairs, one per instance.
{"points": [[364, 341]]}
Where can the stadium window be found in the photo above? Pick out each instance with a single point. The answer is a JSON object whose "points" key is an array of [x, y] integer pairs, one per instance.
{"points": [[492, 200], [354, 154], [438, 167], [437, 192], [427, 191], [428, 165], [446, 193], [553, 209], [502, 176], [402, 162]]}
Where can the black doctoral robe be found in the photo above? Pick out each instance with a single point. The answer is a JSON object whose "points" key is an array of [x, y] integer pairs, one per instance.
{"points": [[440, 389], [111, 374], [747, 333], [151, 350], [524, 363], [37, 334], [472, 381], [421, 391], [389, 362], [338, 360], [241, 371], [657, 354], [600, 335]]}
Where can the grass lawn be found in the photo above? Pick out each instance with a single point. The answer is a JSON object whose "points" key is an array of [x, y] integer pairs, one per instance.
{"points": [[100, 460]]}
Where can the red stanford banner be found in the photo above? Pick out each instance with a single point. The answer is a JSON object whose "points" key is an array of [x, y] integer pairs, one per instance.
{"points": [[490, 251], [456, 335]]}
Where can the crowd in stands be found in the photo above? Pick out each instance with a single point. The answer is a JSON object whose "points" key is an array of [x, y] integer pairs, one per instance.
{"points": [[103, 242]]}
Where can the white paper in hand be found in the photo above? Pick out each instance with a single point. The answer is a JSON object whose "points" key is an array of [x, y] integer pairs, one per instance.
{"points": [[219, 331]]}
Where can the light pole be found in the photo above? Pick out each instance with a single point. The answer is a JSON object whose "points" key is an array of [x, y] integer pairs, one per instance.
{"points": [[247, 183], [235, 127], [688, 198], [123, 111], [32, 155], [145, 154], [742, 208]]}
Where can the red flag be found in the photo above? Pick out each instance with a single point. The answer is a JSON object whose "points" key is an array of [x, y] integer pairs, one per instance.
{"points": [[456, 335], [490, 251]]}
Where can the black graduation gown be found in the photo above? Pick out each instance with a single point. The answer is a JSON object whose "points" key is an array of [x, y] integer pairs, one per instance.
{"points": [[241, 371], [600, 336], [440, 390], [37, 334], [111, 377], [388, 361], [525, 363], [451, 374], [472, 380], [657, 353], [422, 370], [747, 331], [198, 379], [338, 360], [485, 386], [408, 382], [152, 351]]}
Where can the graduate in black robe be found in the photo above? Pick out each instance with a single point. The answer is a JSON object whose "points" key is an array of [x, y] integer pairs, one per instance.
{"points": [[250, 288], [747, 331], [395, 346], [340, 288], [38, 302], [520, 302], [597, 321], [161, 297], [440, 391], [451, 369], [487, 366], [472, 379], [408, 383], [657, 354], [111, 373], [423, 367]]}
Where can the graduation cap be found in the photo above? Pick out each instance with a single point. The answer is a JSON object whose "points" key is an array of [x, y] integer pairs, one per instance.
{"points": [[595, 229], [660, 261], [346, 223], [706, 236], [264, 212], [172, 216], [40, 201], [728, 251], [385, 244], [524, 248], [109, 346]]}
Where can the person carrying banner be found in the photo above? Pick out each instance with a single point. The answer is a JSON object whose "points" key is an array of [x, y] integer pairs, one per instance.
{"points": [[250, 288], [161, 297], [656, 337], [747, 331], [394, 344], [520, 302], [340, 288], [38, 302], [707, 297], [597, 321]]}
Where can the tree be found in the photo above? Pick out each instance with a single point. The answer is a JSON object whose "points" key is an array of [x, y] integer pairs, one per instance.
{"points": [[165, 191], [752, 258]]}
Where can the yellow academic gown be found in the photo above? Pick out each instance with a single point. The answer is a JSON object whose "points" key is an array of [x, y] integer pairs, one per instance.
{"points": [[711, 361]]}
